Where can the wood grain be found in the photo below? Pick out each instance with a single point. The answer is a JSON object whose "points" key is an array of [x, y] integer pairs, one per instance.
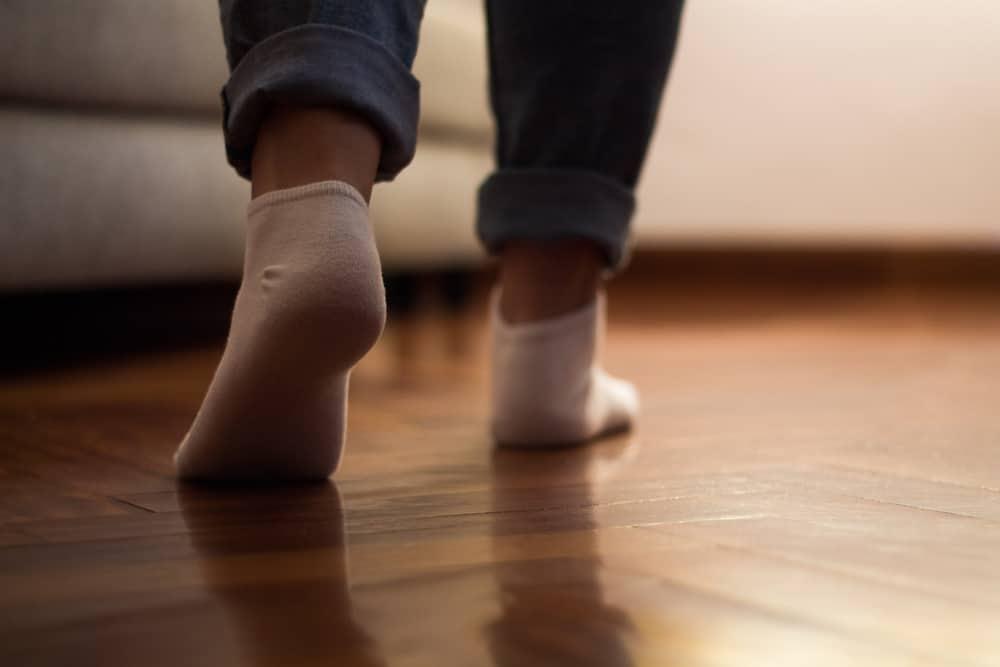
{"points": [[814, 481]]}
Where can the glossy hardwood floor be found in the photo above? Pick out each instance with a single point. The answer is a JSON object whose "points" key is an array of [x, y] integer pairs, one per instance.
{"points": [[815, 481]]}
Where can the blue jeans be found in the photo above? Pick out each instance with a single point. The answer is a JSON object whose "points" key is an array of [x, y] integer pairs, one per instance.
{"points": [[575, 87]]}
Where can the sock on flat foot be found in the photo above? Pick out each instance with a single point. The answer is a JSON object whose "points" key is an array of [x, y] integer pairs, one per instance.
{"points": [[311, 304], [547, 387]]}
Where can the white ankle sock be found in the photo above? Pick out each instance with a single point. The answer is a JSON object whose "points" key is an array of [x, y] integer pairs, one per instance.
{"points": [[547, 386], [310, 306]]}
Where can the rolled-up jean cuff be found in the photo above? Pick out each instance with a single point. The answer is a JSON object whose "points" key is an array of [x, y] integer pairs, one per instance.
{"points": [[550, 204], [318, 65]]}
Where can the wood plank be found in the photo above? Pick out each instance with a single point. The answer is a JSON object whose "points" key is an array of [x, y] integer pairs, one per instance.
{"points": [[812, 482]]}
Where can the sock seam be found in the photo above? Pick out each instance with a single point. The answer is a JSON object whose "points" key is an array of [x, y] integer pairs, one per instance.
{"points": [[306, 191]]}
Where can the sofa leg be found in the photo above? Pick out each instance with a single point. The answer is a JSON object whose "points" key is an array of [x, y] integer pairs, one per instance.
{"points": [[401, 293], [455, 287]]}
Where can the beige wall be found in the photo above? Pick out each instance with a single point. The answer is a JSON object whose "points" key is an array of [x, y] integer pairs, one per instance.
{"points": [[831, 121]]}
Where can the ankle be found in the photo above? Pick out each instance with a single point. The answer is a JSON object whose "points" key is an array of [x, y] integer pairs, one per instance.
{"points": [[546, 279], [297, 146]]}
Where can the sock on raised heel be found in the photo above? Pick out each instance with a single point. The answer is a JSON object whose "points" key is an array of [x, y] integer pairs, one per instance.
{"points": [[311, 304], [547, 386]]}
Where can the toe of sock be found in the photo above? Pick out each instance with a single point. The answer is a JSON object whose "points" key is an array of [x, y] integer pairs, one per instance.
{"points": [[613, 407], [622, 403]]}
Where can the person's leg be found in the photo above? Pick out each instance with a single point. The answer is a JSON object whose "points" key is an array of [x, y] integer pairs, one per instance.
{"points": [[319, 105], [300, 145], [575, 88]]}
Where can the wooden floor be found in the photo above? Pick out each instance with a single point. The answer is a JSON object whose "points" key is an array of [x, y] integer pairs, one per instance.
{"points": [[815, 481]]}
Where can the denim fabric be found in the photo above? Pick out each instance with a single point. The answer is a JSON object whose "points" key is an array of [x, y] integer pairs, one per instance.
{"points": [[353, 54], [575, 88]]}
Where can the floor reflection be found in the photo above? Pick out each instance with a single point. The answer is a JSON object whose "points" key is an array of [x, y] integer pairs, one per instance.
{"points": [[300, 611], [553, 606]]}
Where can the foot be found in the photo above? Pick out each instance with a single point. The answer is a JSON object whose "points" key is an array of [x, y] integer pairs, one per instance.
{"points": [[547, 321], [310, 306]]}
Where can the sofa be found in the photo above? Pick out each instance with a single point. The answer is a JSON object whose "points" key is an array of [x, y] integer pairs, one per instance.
{"points": [[113, 169]]}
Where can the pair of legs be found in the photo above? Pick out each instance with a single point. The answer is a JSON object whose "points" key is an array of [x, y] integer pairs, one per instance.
{"points": [[320, 105]]}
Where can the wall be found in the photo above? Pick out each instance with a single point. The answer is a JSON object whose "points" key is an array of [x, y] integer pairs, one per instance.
{"points": [[829, 121]]}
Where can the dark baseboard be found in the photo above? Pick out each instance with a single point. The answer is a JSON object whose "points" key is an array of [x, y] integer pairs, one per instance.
{"points": [[851, 266], [49, 330]]}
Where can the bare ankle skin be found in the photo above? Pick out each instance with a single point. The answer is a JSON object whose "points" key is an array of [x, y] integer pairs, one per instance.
{"points": [[543, 279], [296, 146]]}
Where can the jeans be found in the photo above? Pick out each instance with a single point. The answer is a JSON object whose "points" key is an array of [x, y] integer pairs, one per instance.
{"points": [[575, 86]]}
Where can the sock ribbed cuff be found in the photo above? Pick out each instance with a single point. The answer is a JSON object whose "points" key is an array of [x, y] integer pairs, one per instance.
{"points": [[560, 325], [304, 192]]}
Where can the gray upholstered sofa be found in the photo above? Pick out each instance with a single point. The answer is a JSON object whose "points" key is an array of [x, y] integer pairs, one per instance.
{"points": [[111, 161]]}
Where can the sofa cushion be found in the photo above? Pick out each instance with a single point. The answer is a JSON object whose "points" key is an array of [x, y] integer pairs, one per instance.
{"points": [[149, 54], [89, 200], [167, 56]]}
